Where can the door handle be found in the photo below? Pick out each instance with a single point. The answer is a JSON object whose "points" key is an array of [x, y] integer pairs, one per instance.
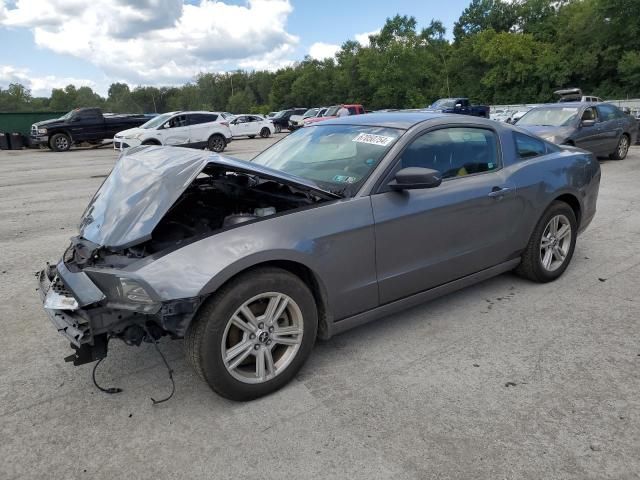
{"points": [[499, 192]]}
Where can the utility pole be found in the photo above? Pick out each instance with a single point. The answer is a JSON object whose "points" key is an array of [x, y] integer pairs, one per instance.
{"points": [[446, 73]]}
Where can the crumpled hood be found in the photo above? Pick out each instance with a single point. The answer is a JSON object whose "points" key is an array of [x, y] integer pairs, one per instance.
{"points": [[547, 132], [147, 181]]}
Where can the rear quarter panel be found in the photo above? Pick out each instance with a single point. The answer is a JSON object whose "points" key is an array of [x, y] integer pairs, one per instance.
{"points": [[541, 180]]}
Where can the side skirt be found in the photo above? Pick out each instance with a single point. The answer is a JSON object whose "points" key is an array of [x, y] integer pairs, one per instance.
{"points": [[418, 298]]}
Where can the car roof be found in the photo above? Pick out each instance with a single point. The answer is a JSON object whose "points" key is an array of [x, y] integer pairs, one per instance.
{"points": [[404, 120], [571, 104]]}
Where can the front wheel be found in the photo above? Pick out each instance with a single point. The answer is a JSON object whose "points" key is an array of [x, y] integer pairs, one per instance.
{"points": [[253, 335], [551, 245], [60, 142], [217, 143], [265, 132], [622, 149]]}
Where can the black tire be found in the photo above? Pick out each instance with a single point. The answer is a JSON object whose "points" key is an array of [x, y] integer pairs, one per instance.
{"points": [[265, 132], [622, 148], [277, 128], [251, 136], [60, 142], [204, 337], [532, 266], [150, 142], [216, 143]]}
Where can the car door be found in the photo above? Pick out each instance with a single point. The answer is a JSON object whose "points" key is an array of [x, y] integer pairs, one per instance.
{"points": [[587, 136], [611, 127], [88, 125], [200, 128], [239, 126], [253, 125], [428, 237], [176, 131]]}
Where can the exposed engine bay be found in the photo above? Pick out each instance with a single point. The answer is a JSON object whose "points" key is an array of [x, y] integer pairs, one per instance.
{"points": [[217, 199]]}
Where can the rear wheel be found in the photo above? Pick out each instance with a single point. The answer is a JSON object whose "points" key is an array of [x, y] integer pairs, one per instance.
{"points": [[278, 128], [551, 245], [254, 334], [265, 132], [622, 149], [217, 143], [60, 142]]}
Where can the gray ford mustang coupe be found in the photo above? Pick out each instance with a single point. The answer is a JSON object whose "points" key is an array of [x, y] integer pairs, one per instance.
{"points": [[336, 225]]}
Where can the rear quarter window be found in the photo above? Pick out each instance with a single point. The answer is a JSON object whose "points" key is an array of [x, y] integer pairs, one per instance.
{"points": [[529, 147]]}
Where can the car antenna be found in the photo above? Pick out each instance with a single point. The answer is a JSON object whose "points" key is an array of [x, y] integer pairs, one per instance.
{"points": [[151, 339]]}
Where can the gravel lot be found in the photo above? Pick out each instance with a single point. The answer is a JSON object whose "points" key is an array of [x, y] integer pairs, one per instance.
{"points": [[507, 379]]}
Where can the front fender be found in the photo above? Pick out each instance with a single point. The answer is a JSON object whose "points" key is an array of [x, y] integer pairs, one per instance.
{"points": [[334, 240]]}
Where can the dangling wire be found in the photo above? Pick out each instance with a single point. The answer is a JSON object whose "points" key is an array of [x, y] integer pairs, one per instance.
{"points": [[173, 383], [108, 390]]}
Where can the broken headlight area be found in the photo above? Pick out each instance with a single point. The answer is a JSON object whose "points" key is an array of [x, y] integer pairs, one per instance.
{"points": [[147, 208], [125, 293], [123, 309]]}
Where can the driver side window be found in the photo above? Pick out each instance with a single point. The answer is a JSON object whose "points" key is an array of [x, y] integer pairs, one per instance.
{"points": [[454, 152], [590, 114], [179, 121]]}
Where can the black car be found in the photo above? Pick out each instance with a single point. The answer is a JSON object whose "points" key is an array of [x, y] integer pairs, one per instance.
{"points": [[82, 125], [281, 119], [601, 128]]}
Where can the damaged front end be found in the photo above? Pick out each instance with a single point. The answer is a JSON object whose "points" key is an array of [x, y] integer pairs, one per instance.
{"points": [[156, 200]]}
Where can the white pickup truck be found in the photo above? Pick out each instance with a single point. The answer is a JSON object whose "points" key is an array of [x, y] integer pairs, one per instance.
{"points": [[184, 129]]}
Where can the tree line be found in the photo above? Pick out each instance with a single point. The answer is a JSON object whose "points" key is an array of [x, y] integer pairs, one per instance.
{"points": [[501, 52]]}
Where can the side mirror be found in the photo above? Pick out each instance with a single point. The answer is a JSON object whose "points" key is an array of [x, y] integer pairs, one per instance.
{"points": [[458, 106], [413, 178], [588, 123], [166, 125]]}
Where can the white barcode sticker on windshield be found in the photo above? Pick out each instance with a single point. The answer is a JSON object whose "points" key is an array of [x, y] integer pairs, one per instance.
{"points": [[372, 139]]}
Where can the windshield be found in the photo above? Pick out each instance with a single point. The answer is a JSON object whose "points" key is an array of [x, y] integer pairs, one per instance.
{"points": [[157, 121], [311, 112], [332, 111], [335, 157], [550, 117], [67, 115], [444, 103]]}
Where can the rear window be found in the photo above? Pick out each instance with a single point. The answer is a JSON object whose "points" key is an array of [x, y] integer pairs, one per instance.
{"points": [[529, 147]]}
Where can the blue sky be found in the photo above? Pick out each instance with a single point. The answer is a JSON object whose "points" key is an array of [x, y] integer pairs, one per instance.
{"points": [[52, 42]]}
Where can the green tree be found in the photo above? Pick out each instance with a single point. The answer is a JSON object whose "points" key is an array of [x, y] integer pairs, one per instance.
{"points": [[241, 102]]}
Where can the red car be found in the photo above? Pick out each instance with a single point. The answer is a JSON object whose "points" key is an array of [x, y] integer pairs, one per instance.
{"points": [[354, 109]]}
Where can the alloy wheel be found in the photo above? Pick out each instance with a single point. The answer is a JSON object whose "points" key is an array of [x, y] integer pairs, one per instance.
{"points": [[62, 143], [623, 147], [217, 144], [262, 337], [555, 243]]}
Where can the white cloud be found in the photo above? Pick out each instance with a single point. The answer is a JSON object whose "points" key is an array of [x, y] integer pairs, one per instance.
{"points": [[159, 41], [39, 85], [363, 38], [321, 50]]}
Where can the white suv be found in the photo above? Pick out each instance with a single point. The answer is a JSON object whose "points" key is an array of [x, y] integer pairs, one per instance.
{"points": [[184, 129]]}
